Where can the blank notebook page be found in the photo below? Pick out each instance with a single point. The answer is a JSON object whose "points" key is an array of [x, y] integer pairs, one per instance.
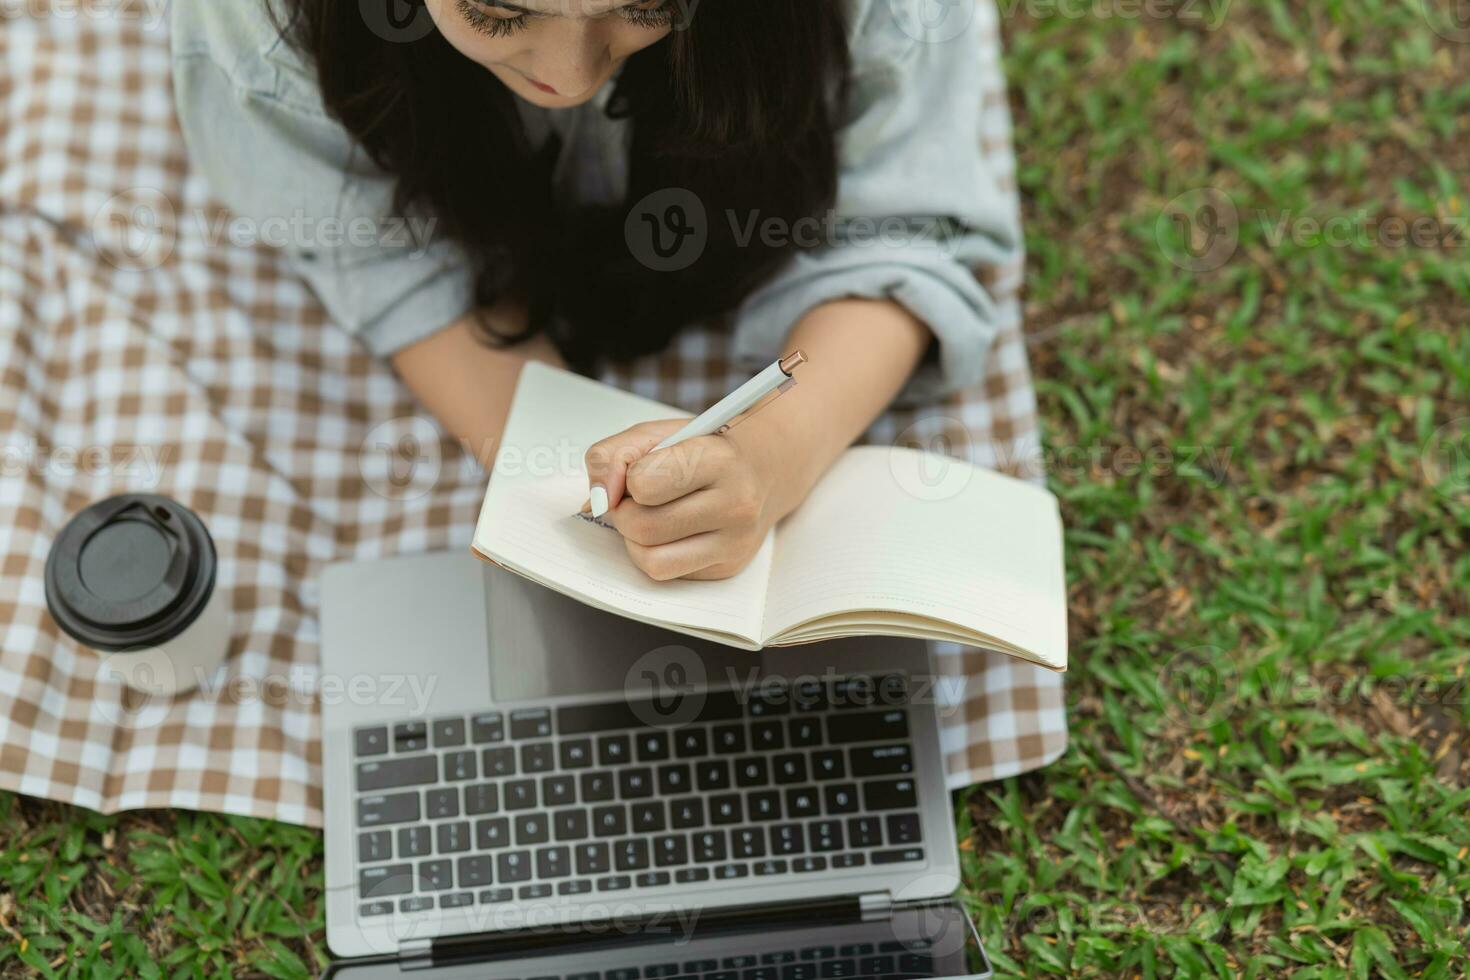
{"points": [[528, 521], [971, 547]]}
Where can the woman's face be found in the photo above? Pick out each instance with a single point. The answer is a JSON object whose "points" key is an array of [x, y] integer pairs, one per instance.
{"points": [[552, 53]]}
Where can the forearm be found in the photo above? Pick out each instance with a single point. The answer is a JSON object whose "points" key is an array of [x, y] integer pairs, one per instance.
{"points": [[862, 352], [468, 385]]}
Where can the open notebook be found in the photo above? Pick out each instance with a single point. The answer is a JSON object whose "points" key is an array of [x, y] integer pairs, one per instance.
{"points": [[891, 541]]}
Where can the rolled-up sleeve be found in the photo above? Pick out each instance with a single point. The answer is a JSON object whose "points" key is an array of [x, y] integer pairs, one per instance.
{"points": [[295, 179], [918, 207]]}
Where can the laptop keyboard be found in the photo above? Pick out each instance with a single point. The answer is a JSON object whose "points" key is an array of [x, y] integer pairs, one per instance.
{"points": [[892, 960], [572, 800]]}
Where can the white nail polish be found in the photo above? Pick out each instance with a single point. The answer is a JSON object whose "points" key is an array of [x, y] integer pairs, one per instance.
{"points": [[599, 501]]}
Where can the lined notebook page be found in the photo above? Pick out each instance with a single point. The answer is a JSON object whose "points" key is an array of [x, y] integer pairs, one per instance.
{"points": [[971, 548], [528, 521]]}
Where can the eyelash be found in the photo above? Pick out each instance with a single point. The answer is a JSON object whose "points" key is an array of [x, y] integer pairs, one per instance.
{"points": [[660, 16]]}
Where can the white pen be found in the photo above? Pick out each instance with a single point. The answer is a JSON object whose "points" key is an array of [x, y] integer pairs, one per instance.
{"points": [[777, 378]]}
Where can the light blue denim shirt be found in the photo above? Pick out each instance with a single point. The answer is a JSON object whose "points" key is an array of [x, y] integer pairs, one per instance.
{"points": [[910, 150]]}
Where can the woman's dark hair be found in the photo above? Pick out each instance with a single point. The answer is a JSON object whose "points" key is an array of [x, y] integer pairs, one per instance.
{"points": [[737, 105]]}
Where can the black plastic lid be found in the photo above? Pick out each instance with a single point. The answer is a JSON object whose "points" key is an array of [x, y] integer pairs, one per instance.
{"points": [[130, 572]]}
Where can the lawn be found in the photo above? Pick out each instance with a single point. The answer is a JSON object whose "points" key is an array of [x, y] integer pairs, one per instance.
{"points": [[1249, 304]]}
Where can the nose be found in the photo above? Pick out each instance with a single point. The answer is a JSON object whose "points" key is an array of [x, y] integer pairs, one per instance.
{"points": [[574, 55]]}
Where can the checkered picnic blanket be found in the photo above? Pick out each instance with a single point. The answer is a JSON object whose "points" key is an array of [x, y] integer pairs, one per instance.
{"points": [[141, 351]]}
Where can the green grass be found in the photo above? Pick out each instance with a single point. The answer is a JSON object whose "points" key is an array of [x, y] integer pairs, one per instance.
{"points": [[1270, 764]]}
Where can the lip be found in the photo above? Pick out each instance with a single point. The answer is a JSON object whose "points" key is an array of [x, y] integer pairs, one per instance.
{"points": [[542, 86]]}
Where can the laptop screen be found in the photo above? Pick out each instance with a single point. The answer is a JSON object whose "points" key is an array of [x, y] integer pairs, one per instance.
{"points": [[914, 943]]}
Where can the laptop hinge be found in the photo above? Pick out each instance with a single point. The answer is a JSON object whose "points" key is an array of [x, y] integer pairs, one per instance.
{"points": [[765, 916], [413, 954], [875, 906]]}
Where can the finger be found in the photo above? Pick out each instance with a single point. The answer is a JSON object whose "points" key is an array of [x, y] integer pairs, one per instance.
{"points": [[722, 570], [607, 461], [681, 518], [669, 474], [686, 556]]}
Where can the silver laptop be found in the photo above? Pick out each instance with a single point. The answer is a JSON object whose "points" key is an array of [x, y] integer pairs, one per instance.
{"points": [[519, 786]]}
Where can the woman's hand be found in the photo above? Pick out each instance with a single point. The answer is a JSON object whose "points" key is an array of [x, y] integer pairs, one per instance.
{"points": [[698, 510]]}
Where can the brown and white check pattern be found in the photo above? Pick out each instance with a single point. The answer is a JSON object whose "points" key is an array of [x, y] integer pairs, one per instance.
{"points": [[140, 352]]}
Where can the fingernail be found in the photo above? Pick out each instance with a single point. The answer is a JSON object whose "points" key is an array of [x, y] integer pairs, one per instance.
{"points": [[599, 501]]}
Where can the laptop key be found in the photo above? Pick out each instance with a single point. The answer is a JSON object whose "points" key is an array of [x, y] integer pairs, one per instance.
{"points": [[614, 883], [532, 828], [709, 846], [376, 845], [569, 824], [653, 746], [415, 841], [488, 727], [729, 739], [809, 695], [653, 879], [670, 850], [881, 760], [553, 862], [538, 890], [903, 828], [372, 741], [841, 797], [685, 876], [530, 723], [803, 732], [593, 859], [448, 733], [577, 886], [659, 970], [436, 875], [673, 779], [492, 833], [849, 860], [767, 736], [454, 837], [367, 909], [713, 774], [828, 764], [416, 903], [691, 743], [899, 856], [780, 956], [824, 835], [751, 771], [802, 803], [818, 953], [631, 854], [498, 762], [876, 966], [737, 962], [786, 838], [491, 896], [537, 757], [558, 791], [456, 900], [441, 803], [520, 794], [374, 811], [609, 821], [725, 809], [686, 813], [790, 768], [865, 831], [476, 870], [770, 866], [597, 787], [385, 881], [513, 866], [396, 773], [459, 766], [575, 753], [635, 784], [614, 750], [760, 973], [868, 726], [648, 818], [410, 736], [481, 798], [838, 969], [890, 794], [701, 966], [765, 805], [748, 842]]}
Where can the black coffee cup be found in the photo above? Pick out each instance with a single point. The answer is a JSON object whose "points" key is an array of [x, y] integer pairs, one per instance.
{"points": [[132, 577]]}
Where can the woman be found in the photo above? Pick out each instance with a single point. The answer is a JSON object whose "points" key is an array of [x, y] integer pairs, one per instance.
{"points": [[592, 177]]}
